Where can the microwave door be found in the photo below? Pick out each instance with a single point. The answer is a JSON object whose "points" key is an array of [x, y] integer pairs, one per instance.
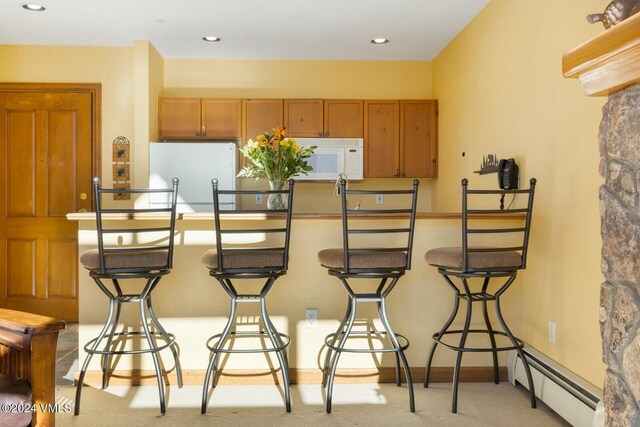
{"points": [[327, 164]]}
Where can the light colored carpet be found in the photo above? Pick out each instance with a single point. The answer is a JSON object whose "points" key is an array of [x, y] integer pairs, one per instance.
{"points": [[479, 404]]}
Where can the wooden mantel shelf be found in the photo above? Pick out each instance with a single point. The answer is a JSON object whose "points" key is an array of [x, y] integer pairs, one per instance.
{"points": [[608, 62]]}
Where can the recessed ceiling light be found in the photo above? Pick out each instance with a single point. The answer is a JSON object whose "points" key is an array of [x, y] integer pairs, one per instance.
{"points": [[380, 41], [211, 39], [33, 7]]}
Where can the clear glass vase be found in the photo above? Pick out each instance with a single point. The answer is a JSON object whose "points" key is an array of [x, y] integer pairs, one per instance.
{"points": [[277, 201]]}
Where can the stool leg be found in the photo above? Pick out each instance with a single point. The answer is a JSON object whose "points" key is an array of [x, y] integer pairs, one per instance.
{"points": [[463, 339], [213, 367], [327, 359], [280, 342], [106, 357], [284, 367], [454, 313], [167, 338], [334, 364], [407, 372], [397, 357], [492, 338], [154, 354], [85, 365], [532, 392]]}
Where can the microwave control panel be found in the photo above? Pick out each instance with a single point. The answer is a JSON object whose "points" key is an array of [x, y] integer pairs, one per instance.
{"points": [[353, 161]]}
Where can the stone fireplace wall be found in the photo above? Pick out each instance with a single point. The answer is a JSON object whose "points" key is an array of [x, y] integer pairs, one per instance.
{"points": [[620, 216]]}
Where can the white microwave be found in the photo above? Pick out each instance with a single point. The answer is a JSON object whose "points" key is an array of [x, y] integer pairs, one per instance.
{"points": [[332, 157]]}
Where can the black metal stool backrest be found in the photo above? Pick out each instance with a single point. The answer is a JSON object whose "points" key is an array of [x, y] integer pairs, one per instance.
{"points": [[270, 214], [133, 229], [354, 213], [486, 213]]}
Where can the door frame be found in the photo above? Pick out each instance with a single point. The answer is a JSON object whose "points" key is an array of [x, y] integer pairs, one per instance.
{"points": [[95, 89]]}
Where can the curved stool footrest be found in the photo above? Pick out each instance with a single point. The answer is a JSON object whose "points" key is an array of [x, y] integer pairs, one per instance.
{"points": [[329, 338], [283, 337], [169, 343], [438, 339]]}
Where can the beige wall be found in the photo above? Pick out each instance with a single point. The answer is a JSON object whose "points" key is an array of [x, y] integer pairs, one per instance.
{"points": [[110, 66], [303, 79], [501, 90]]}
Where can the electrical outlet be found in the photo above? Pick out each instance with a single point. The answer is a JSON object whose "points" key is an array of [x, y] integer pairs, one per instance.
{"points": [[258, 199], [312, 318], [379, 199], [552, 331]]}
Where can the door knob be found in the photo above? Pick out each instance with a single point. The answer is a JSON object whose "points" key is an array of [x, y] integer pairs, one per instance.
{"points": [[83, 196]]}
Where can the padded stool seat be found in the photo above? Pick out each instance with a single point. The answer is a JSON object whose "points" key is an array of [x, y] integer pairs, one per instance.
{"points": [[453, 258], [245, 259], [91, 259], [15, 391], [334, 258]]}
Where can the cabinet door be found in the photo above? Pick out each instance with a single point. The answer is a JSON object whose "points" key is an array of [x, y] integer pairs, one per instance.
{"points": [[419, 137], [381, 139], [260, 116], [303, 117], [221, 118], [343, 118], [179, 118]]}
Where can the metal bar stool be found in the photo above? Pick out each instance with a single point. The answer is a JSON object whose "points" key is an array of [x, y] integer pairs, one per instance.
{"points": [[486, 263], [227, 264], [387, 264], [148, 262]]}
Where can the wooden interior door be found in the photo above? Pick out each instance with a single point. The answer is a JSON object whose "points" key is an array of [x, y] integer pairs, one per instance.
{"points": [[381, 139], [45, 173], [343, 118], [418, 138], [303, 118]]}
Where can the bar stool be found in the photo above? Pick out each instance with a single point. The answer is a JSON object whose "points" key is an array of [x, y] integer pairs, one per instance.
{"points": [[227, 264], [387, 264], [147, 262], [486, 263]]}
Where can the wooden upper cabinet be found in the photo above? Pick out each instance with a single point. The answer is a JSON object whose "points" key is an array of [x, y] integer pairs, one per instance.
{"points": [[381, 139], [303, 118], [196, 118], [419, 138], [179, 118], [260, 116], [221, 118], [343, 118]]}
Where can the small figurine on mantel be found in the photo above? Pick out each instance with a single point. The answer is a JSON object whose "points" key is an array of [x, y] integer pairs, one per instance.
{"points": [[616, 12]]}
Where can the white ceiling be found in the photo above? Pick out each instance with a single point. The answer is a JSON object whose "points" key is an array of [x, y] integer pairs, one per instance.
{"points": [[250, 29]]}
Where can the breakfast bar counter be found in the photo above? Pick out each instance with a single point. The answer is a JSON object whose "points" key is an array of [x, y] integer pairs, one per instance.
{"points": [[191, 304]]}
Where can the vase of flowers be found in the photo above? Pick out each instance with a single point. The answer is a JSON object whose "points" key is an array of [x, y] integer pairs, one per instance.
{"points": [[277, 158]]}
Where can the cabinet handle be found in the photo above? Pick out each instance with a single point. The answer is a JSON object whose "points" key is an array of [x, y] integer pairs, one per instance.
{"points": [[197, 133], [326, 134], [402, 174], [204, 134], [397, 173], [320, 134]]}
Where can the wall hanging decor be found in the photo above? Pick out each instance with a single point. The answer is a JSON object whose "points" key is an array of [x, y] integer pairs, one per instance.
{"points": [[121, 175]]}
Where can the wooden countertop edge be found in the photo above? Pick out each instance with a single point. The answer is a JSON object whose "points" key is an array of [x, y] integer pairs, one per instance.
{"points": [[90, 216]]}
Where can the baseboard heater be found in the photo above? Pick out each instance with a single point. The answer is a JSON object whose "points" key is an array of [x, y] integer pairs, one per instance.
{"points": [[571, 397]]}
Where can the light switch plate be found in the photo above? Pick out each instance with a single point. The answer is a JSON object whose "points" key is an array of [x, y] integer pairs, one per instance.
{"points": [[552, 331], [379, 199], [258, 199]]}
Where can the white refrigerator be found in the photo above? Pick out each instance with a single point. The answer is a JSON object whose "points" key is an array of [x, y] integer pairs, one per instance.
{"points": [[195, 164]]}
